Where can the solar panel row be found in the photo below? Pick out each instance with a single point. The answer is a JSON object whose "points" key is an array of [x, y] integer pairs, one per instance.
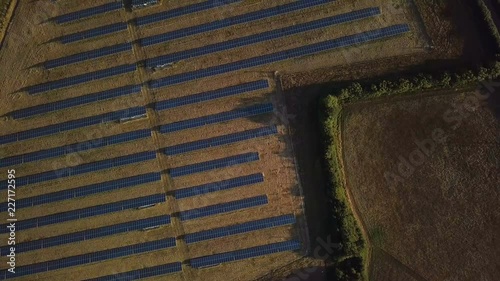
{"points": [[214, 164], [222, 140], [239, 228], [83, 78], [83, 191], [142, 273], [88, 55], [253, 16], [261, 37], [73, 148], [86, 212], [91, 33], [82, 169], [89, 258], [75, 124], [217, 118], [245, 254], [72, 102], [87, 234], [223, 208], [283, 55], [182, 11], [116, 5], [211, 95], [218, 186]]}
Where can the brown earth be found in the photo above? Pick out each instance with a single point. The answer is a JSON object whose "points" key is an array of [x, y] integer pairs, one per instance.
{"points": [[423, 177]]}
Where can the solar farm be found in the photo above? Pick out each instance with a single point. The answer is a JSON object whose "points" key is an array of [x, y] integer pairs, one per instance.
{"points": [[150, 139]]}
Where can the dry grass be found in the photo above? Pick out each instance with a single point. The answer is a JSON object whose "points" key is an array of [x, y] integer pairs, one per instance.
{"points": [[440, 219]]}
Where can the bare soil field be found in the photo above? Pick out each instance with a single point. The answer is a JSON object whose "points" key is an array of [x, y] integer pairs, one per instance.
{"points": [[422, 173]]}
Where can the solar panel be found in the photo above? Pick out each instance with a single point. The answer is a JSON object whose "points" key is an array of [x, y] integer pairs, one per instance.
{"points": [[350, 40], [142, 273], [253, 16], [72, 102], [182, 11], [86, 212], [245, 254], [222, 140], [91, 33], [78, 15], [81, 169], [83, 78], [217, 118], [261, 37], [84, 191], [87, 234], [88, 55], [73, 148], [91, 257], [218, 186], [212, 95], [239, 228], [214, 164], [75, 124], [223, 208]]}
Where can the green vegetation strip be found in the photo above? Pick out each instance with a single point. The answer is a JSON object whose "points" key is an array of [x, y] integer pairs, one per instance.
{"points": [[351, 261]]}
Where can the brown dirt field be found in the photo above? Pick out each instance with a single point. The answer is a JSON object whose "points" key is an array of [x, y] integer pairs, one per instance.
{"points": [[430, 221]]}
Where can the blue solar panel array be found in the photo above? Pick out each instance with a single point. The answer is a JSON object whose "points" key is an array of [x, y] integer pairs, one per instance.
{"points": [[245, 254], [88, 55], [283, 55], [75, 124], [83, 191], [86, 212], [81, 100], [89, 258], [253, 16], [214, 164], [82, 169], [261, 37], [91, 33], [73, 148], [78, 15], [223, 208], [142, 273], [222, 140], [218, 186], [87, 234], [206, 5], [83, 78], [217, 118], [239, 228], [216, 94]]}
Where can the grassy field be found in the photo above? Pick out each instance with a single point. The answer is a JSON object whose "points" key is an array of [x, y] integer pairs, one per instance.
{"points": [[422, 174]]}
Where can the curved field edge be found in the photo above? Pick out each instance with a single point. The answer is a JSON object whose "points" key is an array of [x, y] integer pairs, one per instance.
{"points": [[353, 260], [7, 8]]}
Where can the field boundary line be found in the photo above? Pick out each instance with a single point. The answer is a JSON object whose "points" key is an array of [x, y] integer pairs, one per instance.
{"points": [[8, 18], [354, 207]]}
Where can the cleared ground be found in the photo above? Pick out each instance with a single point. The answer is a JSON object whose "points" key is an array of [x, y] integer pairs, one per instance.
{"points": [[21, 68], [423, 174]]}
